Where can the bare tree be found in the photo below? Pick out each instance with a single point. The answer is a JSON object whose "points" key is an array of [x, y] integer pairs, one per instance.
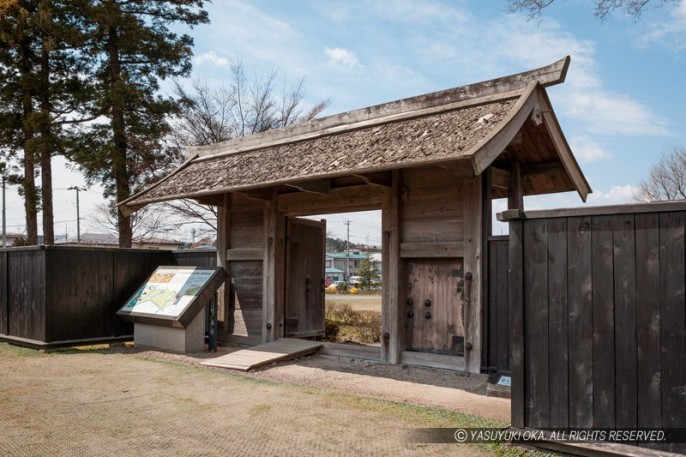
{"points": [[148, 222], [249, 104], [667, 179], [603, 8]]}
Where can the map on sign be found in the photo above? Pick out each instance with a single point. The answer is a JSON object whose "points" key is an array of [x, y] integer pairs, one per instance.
{"points": [[168, 292]]}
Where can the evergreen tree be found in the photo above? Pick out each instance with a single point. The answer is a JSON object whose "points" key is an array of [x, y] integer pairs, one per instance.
{"points": [[17, 94], [368, 274], [42, 91], [133, 48]]}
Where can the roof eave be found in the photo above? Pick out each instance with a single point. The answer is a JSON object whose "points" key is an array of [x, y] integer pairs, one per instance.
{"points": [[567, 158]]}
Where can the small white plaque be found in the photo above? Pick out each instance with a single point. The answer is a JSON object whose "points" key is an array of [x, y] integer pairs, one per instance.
{"points": [[505, 381]]}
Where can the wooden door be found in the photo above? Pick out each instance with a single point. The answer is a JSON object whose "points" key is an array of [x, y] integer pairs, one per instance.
{"points": [[305, 251], [434, 305]]}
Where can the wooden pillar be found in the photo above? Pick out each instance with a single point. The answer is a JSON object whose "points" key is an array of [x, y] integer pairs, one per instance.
{"points": [[473, 251], [224, 294], [515, 196], [273, 272], [392, 317]]}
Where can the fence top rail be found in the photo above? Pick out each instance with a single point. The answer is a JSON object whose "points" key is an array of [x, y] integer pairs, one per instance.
{"points": [[195, 251], [653, 207], [58, 247]]}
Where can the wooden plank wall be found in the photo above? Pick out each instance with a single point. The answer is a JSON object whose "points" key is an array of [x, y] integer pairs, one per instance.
{"points": [[601, 339], [246, 231], [69, 293], [432, 202], [497, 316], [26, 293]]}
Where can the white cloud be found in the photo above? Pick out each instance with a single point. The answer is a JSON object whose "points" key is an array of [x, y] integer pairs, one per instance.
{"points": [[608, 113], [615, 196], [211, 57], [670, 33], [514, 43], [587, 150], [342, 56]]}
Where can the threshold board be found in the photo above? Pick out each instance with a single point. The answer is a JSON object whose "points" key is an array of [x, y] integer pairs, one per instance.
{"points": [[264, 354]]}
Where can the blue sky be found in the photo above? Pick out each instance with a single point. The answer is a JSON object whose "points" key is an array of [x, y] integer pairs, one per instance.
{"points": [[621, 106]]}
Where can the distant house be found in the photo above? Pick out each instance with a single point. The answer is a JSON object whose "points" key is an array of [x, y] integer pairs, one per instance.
{"points": [[333, 274], [110, 240], [337, 261]]}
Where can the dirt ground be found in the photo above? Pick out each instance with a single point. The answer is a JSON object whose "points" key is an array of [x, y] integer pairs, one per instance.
{"points": [[126, 401]]}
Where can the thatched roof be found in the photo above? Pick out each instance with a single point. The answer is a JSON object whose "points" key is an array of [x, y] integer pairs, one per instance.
{"points": [[471, 123]]}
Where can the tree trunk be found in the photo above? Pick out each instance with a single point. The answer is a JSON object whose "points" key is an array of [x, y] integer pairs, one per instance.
{"points": [[121, 175], [29, 182], [46, 150]]}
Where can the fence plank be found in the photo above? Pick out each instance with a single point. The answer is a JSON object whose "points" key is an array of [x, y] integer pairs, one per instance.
{"points": [[26, 293], [558, 322], [4, 289], [515, 262], [648, 384], [580, 302], [672, 331], [503, 322], [536, 323], [624, 252], [603, 324]]}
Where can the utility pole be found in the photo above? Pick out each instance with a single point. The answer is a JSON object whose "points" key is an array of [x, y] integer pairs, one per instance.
{"points": [[347, 255], [78, 214], [193, 235], [4, 214]]}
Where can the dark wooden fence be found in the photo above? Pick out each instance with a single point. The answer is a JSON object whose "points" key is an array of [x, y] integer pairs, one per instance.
{"points": [[57, 294], [196, 258], [497, 310], [598, 317]]}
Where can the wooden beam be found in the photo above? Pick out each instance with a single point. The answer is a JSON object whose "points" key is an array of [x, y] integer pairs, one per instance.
{"points": [[273, 272], [354, 198], [460, 170], [212, 200], [432, 249], [383, 179], [244, 254], [473, 234], [320, 186], [264, 194], [633, 208], [392, 315], [515, 196], [550, 168], [500, 178], [225, 296]]}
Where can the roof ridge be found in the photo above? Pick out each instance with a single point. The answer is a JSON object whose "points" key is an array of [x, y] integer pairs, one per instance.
{"points": [[495, 89]]}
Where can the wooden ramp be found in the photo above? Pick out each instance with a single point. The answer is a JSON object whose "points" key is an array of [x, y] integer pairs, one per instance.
{"points": [[264, 354]]}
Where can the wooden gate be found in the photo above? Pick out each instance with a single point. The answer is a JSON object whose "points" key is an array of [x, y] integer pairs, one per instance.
{"points": [[304, 307], [434, 305]]}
